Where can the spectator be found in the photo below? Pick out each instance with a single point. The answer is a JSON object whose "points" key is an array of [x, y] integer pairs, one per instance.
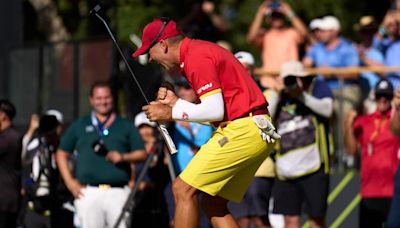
{"points": [[371, 133], [279, 43], [393, 59], [253, 210], [188, 138], [10, 166], [302, 162], [335, 51], [388, 32], [106, 144], [394, 212], [44, 192], [369, 55]]}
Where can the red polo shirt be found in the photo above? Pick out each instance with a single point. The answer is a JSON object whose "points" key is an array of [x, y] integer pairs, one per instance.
{"points": [[210, 68], [378, 154]]}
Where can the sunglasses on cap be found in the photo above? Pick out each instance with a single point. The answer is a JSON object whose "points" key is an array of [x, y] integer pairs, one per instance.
{"points": [[165, 21]]}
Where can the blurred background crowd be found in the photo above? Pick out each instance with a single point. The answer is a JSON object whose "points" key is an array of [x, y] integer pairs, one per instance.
{"points": [[329, 70]]}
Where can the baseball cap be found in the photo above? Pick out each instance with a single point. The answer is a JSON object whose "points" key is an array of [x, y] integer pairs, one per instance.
{"points": [[141, 119], [53, 112], [366, 23], [384, 88], [329, 23], [315, 23], [245, 57], [158, 29], [293, 68]]}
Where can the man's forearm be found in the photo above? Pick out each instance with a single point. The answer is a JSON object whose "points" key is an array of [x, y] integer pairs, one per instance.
{"points": [[62, 164], [134, 156], [350, 141], [395, 123]]}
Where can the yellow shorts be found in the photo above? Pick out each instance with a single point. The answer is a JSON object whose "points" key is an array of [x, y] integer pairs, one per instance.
{"points": [[226, 164]]}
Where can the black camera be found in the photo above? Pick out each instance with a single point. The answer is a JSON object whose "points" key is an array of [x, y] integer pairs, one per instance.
{"points": [[99, 147], [290, 81]]}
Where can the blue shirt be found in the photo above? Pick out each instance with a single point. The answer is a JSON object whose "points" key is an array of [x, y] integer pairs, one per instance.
{"points": [[382, 45], [393, 59], [343, 55], [375, 55], [185, 141]]}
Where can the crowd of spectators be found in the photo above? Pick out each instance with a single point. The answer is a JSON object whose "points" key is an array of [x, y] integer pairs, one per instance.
{"points": [[82, 175]]}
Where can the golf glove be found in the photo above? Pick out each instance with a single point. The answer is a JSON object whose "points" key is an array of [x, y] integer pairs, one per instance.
{"points": [[267, 130]]}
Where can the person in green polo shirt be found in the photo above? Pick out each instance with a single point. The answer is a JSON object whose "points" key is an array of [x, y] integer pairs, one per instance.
{"points": [[106, 144]]}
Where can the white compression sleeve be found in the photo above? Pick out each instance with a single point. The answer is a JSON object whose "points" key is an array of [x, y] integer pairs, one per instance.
{"points": [[323, 106], [210, 109]]}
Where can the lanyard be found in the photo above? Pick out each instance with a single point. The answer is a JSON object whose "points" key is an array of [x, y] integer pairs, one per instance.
{"points": [[102, 128], [378, 125]]}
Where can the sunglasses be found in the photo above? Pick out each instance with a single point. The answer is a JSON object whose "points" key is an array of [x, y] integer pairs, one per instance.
{"points": [[379, 96], [165, 21]]}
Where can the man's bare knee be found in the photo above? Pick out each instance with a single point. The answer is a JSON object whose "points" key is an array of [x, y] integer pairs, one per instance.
{"points": [[182, 191]]}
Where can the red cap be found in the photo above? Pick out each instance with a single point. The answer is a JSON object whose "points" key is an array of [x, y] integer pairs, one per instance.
{"points": [[150, 32]]}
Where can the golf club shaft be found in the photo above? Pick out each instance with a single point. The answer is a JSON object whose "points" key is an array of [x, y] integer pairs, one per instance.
{"points": [[161, 128]]}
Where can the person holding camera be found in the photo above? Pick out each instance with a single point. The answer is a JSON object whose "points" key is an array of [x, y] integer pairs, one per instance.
{"points": [[371, 135], [302, 160], [105, 144], [44, 193], [279, 43]]}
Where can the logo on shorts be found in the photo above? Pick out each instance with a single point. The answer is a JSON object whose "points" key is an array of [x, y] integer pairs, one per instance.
{"points": [[204, 87]]}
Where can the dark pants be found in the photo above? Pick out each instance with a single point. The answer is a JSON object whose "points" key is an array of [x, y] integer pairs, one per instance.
{"points": [[394, 215], [36, 220], [8, 219], [374, 212]]}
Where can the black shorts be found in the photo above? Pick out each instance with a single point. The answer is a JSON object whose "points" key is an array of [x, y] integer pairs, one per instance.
{"points": [[312, 190], [256, 200], [374, 212]]}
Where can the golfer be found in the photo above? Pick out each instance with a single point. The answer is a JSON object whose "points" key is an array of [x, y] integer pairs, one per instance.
{"points": [[231, 101]]}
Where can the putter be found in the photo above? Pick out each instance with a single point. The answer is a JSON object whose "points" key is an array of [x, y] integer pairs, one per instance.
{"points": [[161, 128]]}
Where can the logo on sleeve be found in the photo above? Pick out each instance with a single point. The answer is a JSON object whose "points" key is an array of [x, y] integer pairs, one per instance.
{"points": [[204, 87], [185, 116]]}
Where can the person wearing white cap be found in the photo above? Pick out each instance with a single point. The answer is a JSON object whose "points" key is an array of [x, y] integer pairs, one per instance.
{"points": [[302, 162], [247, 60], [333, 51]]}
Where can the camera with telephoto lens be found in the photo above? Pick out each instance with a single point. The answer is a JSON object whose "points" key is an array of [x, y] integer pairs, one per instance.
{"points": [[290, 81], [99, 147]]}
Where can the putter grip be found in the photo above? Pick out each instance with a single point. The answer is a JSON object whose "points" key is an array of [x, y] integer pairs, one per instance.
{"points": [[170, 144]]}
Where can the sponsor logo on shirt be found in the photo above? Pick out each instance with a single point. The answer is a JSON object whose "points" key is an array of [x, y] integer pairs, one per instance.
{"points": [[204, 87], [89, 128]]}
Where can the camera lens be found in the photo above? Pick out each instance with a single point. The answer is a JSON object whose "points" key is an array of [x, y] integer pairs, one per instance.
{"points": [[290, 81]]}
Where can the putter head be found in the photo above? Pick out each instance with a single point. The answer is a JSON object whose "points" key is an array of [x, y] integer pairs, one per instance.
{"points": [[95, 9]]}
